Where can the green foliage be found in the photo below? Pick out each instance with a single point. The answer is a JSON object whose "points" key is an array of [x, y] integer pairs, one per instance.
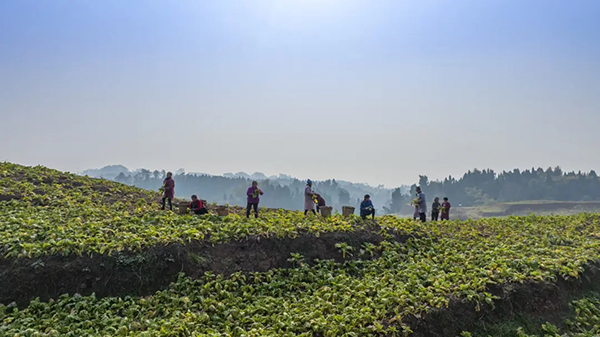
{"points": [[366, 298], [439, 261]]}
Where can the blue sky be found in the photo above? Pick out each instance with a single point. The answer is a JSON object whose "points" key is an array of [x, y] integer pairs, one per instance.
{"points": [[368, 91]]}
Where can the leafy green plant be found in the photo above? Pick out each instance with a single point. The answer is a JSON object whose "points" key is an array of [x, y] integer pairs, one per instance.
{"points": [[344, 248]]}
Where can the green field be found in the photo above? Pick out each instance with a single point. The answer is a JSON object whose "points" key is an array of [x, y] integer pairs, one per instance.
{"points": [[522, 208], [100, 257]]}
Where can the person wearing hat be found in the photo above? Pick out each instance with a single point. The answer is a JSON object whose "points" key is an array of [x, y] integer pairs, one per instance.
{"points": [[309, 204], [366, 208]]}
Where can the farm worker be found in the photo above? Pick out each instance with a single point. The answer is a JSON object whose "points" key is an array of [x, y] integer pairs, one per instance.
{"points": [[253, 194], [446, 209], [197, 207], [366, 208], [415, 203], [435, 209], [319, 201], [169, 186], [422, 203], [309, 204]]}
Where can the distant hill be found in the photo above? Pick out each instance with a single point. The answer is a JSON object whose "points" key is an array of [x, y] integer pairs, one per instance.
{"points": [[107, 172]]}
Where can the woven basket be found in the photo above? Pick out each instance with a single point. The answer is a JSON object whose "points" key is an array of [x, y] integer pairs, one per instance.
{"points": [[183, 207], [326, 210], [347, 210], [222, 211]]}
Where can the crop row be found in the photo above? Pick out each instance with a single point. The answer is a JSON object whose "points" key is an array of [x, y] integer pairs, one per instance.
{"points": [[357, 298], [33, 231]]}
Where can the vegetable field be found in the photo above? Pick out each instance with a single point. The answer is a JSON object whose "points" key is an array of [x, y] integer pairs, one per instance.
{"points": [[388, 277]]}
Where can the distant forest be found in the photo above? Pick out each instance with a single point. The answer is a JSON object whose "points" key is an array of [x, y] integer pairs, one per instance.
{"points": [[279, 191], [476, 187], [481, 187]]}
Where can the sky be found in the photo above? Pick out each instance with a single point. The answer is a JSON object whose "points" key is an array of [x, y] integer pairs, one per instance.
{"points": [[365, 91]]}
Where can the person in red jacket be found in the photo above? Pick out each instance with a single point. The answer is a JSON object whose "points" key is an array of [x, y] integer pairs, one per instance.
{"points": [[169, 186], [197, 207], [446, 209]]}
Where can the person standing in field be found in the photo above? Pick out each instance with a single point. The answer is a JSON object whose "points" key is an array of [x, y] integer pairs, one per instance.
{"points": [[367, 208], [435, 209], [415, 203], [446, 209], [197, 206], [253, 194], [169, 193], [309, 204], [422, 204]]}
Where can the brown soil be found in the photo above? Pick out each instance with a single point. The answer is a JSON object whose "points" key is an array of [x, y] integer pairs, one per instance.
{"points": [[22, 280]]}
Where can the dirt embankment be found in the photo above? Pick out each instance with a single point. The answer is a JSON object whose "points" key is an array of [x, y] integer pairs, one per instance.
{"points": [[22, 280], [540, 301]]}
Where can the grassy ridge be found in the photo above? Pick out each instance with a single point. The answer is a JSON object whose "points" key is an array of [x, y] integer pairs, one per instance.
{"points": [[41, 186], [28, 231], [47, 212]]}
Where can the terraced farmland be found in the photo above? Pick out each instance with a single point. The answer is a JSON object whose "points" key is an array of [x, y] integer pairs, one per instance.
{"points": [[109, 247]]}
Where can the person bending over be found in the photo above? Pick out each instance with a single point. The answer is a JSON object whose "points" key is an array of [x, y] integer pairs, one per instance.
{"points": [[319, 201]]}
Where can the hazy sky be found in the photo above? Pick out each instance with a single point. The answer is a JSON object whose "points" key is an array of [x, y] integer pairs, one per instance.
{"points": [[367, 91]]}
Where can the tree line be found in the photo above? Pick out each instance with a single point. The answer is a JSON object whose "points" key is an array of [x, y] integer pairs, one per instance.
{"points": [[481, 187], [475, 187], [232, 190]]}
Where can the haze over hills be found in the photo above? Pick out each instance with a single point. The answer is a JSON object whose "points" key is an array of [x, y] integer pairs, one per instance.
{"points": [[474, 188], [281, 191]]}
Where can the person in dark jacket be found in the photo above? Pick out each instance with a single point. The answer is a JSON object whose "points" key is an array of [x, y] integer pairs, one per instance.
{"points": [[435, 209], [197, 207], [422, 205], [366, 208], [320, 201], [169, 193], [253, 194]]}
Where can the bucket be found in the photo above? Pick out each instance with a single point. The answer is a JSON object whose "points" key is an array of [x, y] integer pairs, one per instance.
{"points": [[347, 210], [326, 210], [222, 211], [183, 207]]}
